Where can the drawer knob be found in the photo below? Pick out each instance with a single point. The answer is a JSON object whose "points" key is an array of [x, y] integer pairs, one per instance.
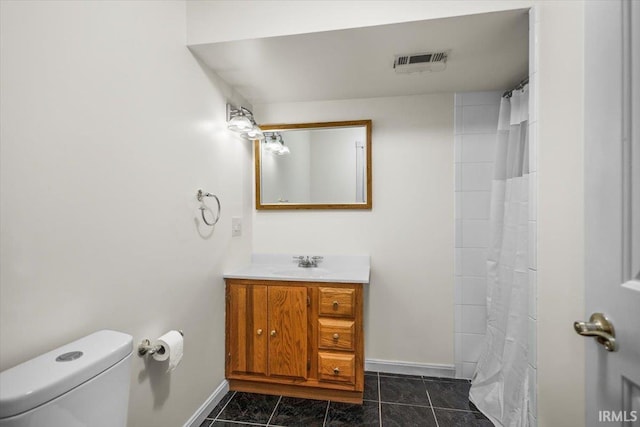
{"points": [[336, 336], [273, 333], [335, 305], [336, 371], [259, 332]]}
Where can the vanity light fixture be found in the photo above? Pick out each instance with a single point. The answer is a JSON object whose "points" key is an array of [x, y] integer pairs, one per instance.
{"points": [[241, 120], [275, 144]]}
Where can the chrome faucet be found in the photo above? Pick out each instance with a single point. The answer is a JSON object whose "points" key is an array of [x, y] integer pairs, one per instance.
{"points": [[305, 262]]}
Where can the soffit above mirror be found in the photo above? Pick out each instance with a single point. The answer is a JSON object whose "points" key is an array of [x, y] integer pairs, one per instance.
{"points": [[488, 52]]}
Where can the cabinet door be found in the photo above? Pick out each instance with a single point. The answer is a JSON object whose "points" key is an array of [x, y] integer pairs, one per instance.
{"points": [[288, 331], [247, 329]]}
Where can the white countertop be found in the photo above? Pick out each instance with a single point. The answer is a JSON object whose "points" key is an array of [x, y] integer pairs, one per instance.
{"points": [[332, 269]]}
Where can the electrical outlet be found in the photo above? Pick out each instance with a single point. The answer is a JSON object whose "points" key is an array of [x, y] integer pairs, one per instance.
{"points": [[236, 226]]}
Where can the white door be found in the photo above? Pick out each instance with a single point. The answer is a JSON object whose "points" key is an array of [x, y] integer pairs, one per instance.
{"points": [[612, 206]]}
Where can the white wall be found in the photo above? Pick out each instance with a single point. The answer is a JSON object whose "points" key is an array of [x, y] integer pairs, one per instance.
{"points": [[109, 127], [408, 233], [559, 81], [559, 84], [476, 123], [333, 165]]}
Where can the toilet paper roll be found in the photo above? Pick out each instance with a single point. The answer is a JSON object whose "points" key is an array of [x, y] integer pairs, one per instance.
{"points": [[172, 344]]}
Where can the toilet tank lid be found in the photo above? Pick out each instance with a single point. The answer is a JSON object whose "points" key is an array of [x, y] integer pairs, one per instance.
{"points": [[39, 380]]}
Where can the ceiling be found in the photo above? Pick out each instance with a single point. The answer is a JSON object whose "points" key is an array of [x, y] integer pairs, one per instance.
{"points": [[488, 52]]}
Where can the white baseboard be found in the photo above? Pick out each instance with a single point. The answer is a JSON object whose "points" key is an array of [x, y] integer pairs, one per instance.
{"points": [[409, 368], [206, 408]]}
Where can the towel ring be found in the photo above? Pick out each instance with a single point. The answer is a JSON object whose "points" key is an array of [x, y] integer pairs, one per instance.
{"points": [[200, 196]]}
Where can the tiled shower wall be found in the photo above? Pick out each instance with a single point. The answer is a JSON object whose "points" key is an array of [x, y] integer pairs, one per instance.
{"points": [[476, 122]]}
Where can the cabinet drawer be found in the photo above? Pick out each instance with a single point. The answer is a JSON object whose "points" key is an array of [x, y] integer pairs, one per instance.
{"points": [[337, 367], [337, 302], [336, 334]]}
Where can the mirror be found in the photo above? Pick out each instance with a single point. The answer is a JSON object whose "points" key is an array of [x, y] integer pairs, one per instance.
{"points": [[314, 166]]}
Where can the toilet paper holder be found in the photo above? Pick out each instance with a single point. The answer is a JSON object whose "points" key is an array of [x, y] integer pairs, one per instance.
{"points": [[145, 347]]}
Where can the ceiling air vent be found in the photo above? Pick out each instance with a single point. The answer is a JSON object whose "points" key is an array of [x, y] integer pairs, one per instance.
{"points": [[416, 62]]}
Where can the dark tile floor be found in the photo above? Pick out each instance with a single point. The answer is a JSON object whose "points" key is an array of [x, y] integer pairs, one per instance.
{"points": [[389, 400]]}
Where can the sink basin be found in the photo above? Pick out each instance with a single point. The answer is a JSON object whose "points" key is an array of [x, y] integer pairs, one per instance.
{"points": [[302, 272]]}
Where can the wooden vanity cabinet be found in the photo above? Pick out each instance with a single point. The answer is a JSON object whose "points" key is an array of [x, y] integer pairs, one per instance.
{"points": [[267, 330], [299, 339]]}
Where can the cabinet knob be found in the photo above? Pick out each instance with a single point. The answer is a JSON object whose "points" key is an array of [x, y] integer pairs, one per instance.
{"points": [[336, 371], [259, 332], [336, 336], [273, 333], [335, 305]]}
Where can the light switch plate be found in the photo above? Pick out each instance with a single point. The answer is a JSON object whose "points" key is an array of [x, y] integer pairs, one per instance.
{"points": [[236, 226]]}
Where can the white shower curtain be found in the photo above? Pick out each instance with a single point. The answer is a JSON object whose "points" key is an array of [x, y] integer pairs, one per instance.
{"points": [[499, 387]]}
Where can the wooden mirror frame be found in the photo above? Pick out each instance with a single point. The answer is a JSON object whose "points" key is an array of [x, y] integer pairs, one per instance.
{"points": [[290, 206]]}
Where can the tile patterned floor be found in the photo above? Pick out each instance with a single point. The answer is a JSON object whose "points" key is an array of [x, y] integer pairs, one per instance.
{"points": [[389, 400]]}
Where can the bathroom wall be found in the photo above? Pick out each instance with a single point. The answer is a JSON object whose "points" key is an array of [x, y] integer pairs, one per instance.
{"points": [[476, 123], [408, 233], [109, 127], [560, 211], [333, 164], [559, 83]]}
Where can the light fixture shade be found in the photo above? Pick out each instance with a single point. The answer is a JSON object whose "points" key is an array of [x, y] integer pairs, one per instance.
{"points": [[272, 145], [240, 123], [281, 150], [284, 150], [254, 133]]}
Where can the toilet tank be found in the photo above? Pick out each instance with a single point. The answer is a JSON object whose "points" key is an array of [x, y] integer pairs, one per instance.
{"points": [[84, 383]]}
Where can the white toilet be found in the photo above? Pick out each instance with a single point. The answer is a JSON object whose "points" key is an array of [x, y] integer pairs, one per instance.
{"points": [[84, 383]]}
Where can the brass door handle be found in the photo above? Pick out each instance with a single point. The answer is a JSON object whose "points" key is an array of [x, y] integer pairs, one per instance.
{"points": [[259, 332], [600, 328], [273, 333]]}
